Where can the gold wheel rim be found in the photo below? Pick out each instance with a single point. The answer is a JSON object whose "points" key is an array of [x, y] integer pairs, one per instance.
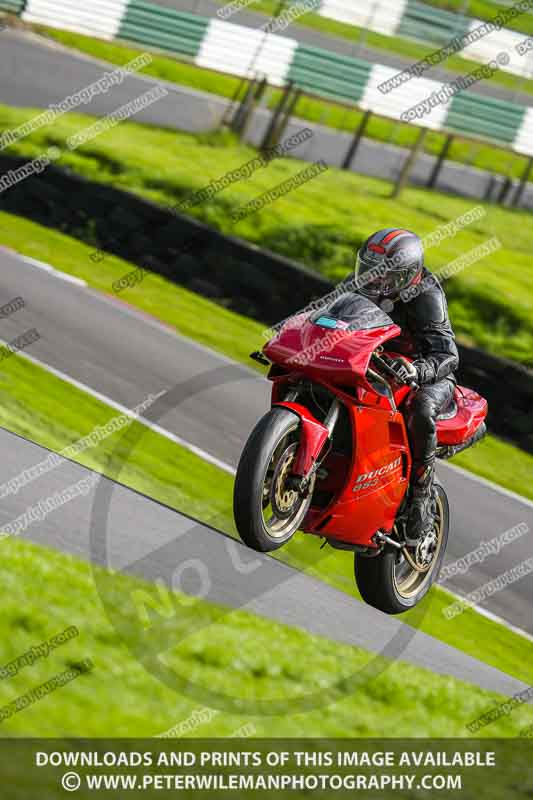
{"points": [[277, 527], [409, 581]]}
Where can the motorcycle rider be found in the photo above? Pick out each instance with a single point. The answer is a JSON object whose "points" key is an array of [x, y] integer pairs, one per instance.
{"points": [[391, 272]]}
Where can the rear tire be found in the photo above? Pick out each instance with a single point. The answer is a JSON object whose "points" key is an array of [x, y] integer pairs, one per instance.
{"points": [[263, 466], [377, 578]]}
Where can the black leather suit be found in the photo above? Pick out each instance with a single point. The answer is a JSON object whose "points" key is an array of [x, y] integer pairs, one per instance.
{"points": [[427, 336]]}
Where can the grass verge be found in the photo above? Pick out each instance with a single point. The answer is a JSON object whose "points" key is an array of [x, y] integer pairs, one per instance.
{"points": [[242, 655]]}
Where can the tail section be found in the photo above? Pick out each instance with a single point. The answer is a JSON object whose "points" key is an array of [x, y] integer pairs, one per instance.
{"points": [[451, 450]]}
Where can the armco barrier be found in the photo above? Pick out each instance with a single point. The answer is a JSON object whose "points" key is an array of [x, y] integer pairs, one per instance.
{"points": [[92, 17], [165, 28], [404, 18], [329, 74], [241, 51], [13, 6], [381, 16], [474, 115], [244, 278], [431, 26]]}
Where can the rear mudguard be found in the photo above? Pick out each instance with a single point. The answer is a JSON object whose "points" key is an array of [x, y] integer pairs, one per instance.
{"points": [[313, 437]]}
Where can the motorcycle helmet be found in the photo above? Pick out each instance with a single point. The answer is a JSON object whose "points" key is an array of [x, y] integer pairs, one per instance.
{"points": [[389, 261]]}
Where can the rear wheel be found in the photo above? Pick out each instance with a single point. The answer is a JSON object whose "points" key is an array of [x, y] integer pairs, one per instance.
{"points": [[397, 580], [267, 509]]}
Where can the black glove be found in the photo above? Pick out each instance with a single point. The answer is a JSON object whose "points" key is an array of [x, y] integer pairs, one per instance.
{"points": [[406, 372], [432, 370]]}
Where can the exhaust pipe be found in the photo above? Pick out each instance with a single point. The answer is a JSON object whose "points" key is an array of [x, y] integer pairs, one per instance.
{"points": [[449, 451]]}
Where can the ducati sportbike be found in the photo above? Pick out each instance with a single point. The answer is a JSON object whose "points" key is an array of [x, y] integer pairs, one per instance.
{"points": [[332, 458]]}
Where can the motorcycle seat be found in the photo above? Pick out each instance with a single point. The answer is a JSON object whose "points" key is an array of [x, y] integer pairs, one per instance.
{"points": [[449, 411]]}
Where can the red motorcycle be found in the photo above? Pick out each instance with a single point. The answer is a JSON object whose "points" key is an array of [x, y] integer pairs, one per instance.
{"points": [[332, 457]]}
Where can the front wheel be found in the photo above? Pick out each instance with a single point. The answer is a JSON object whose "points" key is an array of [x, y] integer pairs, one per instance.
{"points": [[394, 582], [267, 510]]}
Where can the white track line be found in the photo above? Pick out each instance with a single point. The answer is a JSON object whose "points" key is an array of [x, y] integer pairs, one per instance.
{"points": [[124, 410], [57, 273], [485, 482], [499, 620]]}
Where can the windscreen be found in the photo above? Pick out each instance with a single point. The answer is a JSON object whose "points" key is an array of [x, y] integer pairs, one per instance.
{"points": [[352, 312]]}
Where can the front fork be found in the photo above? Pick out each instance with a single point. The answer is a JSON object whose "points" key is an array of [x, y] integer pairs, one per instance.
{"points": [[332, 416], [314, 437]]}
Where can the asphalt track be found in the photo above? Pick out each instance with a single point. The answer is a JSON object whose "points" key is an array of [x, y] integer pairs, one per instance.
{"points": [[35, 72], [213, 404]]}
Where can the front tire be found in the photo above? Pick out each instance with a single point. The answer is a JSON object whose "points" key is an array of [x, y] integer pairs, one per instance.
{"points": [[267, 512], [389, 583]]}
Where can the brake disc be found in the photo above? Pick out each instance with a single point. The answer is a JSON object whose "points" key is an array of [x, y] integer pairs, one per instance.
{"points": [[282, 499]]}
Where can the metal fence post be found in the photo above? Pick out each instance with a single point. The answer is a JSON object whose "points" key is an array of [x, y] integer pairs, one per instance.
{"points": [[240, 113], [248, 111], [489, 189], [409, 163], [356, 141], [274, 123], [443, 155], [279, 130], [506, 187], [517, 199]]}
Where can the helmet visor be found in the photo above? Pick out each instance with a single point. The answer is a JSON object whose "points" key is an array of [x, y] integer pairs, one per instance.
{"points": [[378, 277]]}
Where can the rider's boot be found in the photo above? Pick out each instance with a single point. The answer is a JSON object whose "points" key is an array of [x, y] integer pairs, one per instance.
{"points": [[422, 507]]}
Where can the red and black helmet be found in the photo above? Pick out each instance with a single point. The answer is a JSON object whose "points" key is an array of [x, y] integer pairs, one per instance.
{"points": [[389, 261]]}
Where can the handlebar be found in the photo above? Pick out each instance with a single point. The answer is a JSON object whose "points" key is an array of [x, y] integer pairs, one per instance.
{"points": [[262, 359], [393, 374]]}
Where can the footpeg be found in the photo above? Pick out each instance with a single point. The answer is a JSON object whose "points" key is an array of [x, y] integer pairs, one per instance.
{"points": [[381, 538]]}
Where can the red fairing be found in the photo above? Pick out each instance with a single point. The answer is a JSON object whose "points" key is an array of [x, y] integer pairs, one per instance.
{"points": [[332, 355], [313, 437], [373, 486], [364, 478]]}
